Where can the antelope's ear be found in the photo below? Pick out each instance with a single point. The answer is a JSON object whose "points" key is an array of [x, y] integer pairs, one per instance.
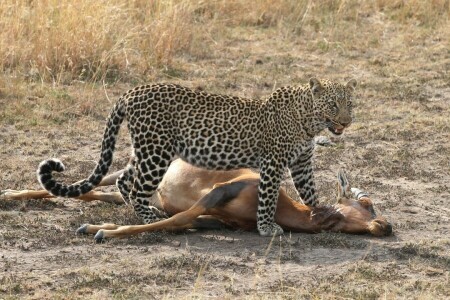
{"points": [[352, 84], [343, 183], [340, 193], [316, 86]]}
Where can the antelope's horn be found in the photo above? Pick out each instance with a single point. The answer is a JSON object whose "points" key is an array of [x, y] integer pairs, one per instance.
{"points": [[358, 193]]}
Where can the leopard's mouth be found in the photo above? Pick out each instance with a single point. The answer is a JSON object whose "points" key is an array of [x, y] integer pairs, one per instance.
{"points": [[335, 128], [336, 131]]}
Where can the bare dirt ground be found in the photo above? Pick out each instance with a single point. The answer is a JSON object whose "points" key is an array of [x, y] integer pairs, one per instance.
{"points": [[398, 149]]}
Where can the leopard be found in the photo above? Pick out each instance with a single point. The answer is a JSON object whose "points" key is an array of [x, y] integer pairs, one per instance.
{"points": [[217, 132]]}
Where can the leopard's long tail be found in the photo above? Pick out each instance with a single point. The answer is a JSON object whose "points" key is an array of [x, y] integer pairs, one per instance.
{"points": [[45, 169]]}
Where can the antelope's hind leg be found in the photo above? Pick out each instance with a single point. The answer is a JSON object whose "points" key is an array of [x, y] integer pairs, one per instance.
{"points": [[24, 194], [93, 229], [191, 218]]}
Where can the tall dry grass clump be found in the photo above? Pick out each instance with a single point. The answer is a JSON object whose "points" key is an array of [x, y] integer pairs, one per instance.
{"points": [[49, 39], [424, 12], [60, 41]]}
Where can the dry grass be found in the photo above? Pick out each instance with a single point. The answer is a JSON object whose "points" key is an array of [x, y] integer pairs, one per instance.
{"points": [[58, 42]]}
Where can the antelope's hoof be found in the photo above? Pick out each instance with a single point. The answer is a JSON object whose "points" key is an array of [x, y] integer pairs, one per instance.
{"points": [[99, 237], [270, 230], [8, 194], [82, 229]]}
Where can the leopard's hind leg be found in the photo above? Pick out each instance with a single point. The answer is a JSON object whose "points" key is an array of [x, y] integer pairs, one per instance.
{"points": [[150, 166], [125, 181]]}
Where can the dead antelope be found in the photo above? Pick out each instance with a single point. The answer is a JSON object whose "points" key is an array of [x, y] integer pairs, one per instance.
{"points": [[196, 197]]}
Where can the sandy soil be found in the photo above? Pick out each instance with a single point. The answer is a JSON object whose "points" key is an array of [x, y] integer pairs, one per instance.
{"points": [[398, 149]]}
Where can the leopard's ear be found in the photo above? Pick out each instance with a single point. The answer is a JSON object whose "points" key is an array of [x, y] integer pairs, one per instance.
{"points": [[316, 86], [351, 84]]}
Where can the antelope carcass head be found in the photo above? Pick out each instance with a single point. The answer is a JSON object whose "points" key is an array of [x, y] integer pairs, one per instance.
{"points": [[359, 214]]}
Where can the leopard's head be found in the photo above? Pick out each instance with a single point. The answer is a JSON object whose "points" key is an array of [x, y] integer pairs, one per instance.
{"points": [[333, 103]]}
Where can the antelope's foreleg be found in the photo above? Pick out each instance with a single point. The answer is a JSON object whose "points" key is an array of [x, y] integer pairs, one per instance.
{"points": [[24, 194], [91, 196], [111, 179], [113, 197]]}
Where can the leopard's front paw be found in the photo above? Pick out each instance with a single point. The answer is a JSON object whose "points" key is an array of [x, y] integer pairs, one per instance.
{"points": [[271, 229]]}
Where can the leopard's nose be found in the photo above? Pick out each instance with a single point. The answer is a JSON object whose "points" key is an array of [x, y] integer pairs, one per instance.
{"points": [[346, 124]]}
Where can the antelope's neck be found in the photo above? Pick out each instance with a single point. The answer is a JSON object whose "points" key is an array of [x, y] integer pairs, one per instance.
{"points": [[301, 218]]}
